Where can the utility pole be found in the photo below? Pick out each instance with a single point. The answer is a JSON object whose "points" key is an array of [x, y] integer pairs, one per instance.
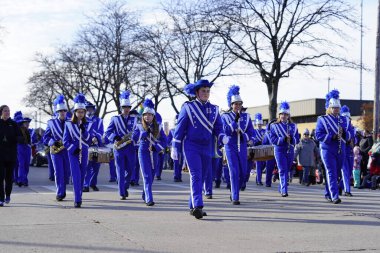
{"points": [[361, 51], [376, 105], [328, 84]]}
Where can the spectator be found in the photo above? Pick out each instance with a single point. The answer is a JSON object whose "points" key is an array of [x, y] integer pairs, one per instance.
{"points": [[306, 151], [365, 145], [356, 167], [9, 136]]}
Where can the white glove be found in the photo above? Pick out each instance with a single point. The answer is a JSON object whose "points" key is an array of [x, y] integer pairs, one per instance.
{"points": [[174, 154], [94, 140], [225, 140]]}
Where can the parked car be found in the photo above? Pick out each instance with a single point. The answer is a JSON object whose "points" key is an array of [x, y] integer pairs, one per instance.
{"points": [[39, 156]]}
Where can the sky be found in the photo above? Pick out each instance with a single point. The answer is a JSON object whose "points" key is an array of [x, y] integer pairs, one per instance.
{"points": [[32, 26]]}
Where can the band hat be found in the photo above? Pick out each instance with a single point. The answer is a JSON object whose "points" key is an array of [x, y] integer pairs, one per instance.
{"points": [[79, 102], [306, 132], [59, 104], [345, 111], [148, 107], [259, 119], [284, 108], [90, 105], [233, 95], [124, 99], [332, 99]]}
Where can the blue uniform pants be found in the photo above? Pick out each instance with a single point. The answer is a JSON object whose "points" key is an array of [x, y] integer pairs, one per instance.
{"points": [[209, 179], [147, 175], [160, 164], [77, 172], [237, 164], [92, 171], [260, 165], [177, 164], [125, 162], [61, 167], [347, 168], [112, 169], [24, 152], [198, 159], [217, 168], [50, 166], [249, 169], [333, 162], [284, 159], [226, 174], [269, 171]]}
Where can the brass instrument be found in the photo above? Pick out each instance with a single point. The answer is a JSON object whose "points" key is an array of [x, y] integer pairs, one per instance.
{"points": [[238, 131], [125, 140], [56, 149]]}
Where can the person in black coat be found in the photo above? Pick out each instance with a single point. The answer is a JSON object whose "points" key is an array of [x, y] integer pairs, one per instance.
{"points": [[365, 145], [9, 135]]}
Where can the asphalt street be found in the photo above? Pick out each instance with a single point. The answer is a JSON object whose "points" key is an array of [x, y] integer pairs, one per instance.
{"points": [[264, 222]]}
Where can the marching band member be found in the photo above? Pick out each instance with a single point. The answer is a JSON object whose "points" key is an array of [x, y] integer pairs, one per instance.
{"points": [[112, 166], [76, 139], [238, 126], [53, 137], [92, 170], [198, 122], [284, 136], [177, 164], [136, 168], [348, 163], [259, 133], [120, 132], [332, 132], [269, 164], [151, 139], [161, 154], [24, 148]]}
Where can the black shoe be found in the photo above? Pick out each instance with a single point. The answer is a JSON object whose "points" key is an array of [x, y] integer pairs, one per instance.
{"points": [[51, 178], [7, 200], [267, 185], [132, 183], [328, 199], [77, 204], [242, 188], [19, 184], [337, 201], [348, 194], [158, 178], [208, 196], [217, 184], [177, 180], [235, 202], [259, 183], [95, 188], [197, 213], [86, 189], [58, 198], [126, 193], [123, 198], [284, 195], [203, 213], [151, 203], [112, 180]]}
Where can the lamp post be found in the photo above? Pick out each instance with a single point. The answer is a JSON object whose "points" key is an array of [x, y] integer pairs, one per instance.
{"points": [[376, 105]]}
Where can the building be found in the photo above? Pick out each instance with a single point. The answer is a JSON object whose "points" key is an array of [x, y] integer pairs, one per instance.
{"points": [[305, 112]]}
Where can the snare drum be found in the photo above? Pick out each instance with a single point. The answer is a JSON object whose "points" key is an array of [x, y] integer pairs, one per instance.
{"points": [[263, 152], [100, 154]]}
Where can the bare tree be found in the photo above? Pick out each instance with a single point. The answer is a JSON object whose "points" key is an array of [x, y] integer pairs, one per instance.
{"points": [[180, 53], [276, 37]]}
